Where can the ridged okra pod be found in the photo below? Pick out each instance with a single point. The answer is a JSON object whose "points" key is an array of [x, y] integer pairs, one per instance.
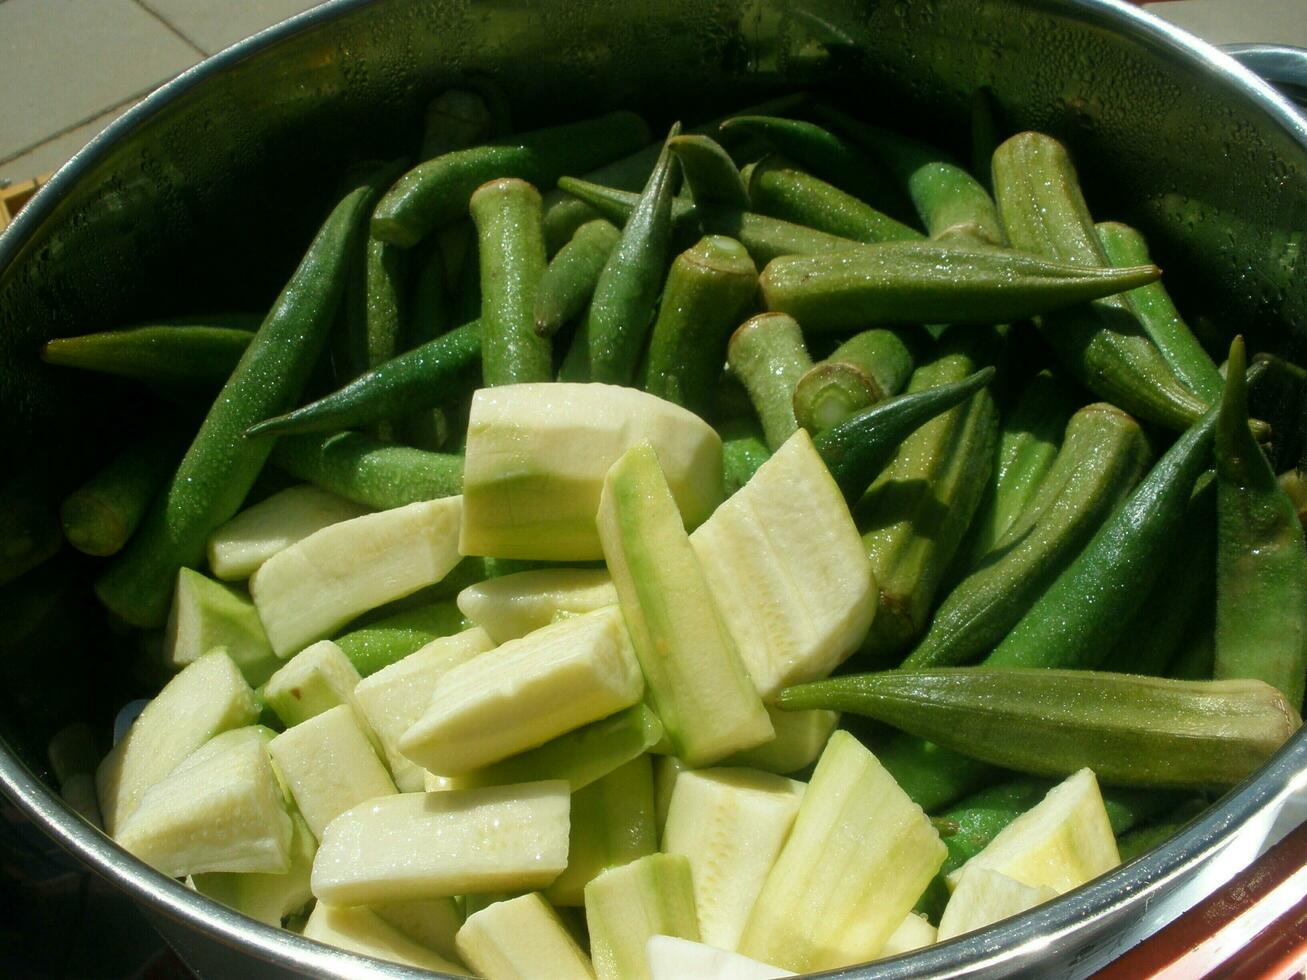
{"points": [[743, 451], [768, 354], [369, 472], [222, 464], [569, 282], [1086, 609], [931, 775], [1101, 459], [933, 282], [384, 304], [708, 289], [1261, 562], [187, 353], [950, 202], [1130, 729], [710, 174], [1101, 344], [511, 247], [430, 313], [1028, 441], [455, 119], [915, 514], [1157, 314], [437, 191], [622, 307], [867, 368], [780, 191]]}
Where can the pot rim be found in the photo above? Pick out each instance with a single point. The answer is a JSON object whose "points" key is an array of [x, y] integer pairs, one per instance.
{"points": [[1014, 942]]}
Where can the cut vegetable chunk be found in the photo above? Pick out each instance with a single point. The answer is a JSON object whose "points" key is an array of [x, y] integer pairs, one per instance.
{"points": [[269, 898], [677, 959], [800, 737], [537, 455], [1061, 842], [522, 939], [395, 697], [430, 922], [860, 854], [360, 930], [914, 932], [225, 813], [731, 825], [431, 845], [612, 823], [526, 692], [239, 547], [788, 570], [314, 587], [667, 769], [626, 906], [316, 679], [206, 615], [984, 896], [208, 697], [78, 791], [700, 687], [514, 605], [329, 766]]}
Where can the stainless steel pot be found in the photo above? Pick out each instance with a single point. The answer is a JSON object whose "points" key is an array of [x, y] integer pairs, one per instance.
{"points": [[200, 196]]}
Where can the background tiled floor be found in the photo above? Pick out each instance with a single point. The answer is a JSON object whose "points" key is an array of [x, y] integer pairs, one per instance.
{"points": [[69, 67]]}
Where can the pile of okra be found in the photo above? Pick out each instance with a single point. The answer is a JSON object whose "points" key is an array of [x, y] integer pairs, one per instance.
{"points": [[1050, 471]]}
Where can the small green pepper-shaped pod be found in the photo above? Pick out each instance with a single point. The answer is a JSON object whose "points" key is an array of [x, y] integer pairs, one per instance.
{"points": [[437, 191], [708, 289], [1261, 562], [865, 369], [622, 308], [189, 352], [455, 119], [709, 172], [367, 471], [1100, 461], [768, 355], [915, 514], [1129, 729], [1158, 316], [570, 280], [933, 282], [950, 202], [1085, 611], [1102, 344], [780, 191], [511, 247], [425, 377]]}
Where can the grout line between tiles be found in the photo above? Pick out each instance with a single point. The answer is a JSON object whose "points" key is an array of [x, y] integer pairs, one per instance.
{"points": [[171, 27], [130, 100]]}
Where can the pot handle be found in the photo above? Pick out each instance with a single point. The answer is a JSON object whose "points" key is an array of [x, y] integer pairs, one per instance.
{"points": [[1284, 66]]}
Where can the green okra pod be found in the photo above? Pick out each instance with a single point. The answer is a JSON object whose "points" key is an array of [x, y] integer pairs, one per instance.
{"points": [[1129, 729], [824, 154], [466, 304], [986, 134], [933, 777], [1101, 344], [621, 310], [933, 282], [780, 191], [367, 471], [437, 191], [575, 365], [768, 355], [29, 522], [1028, 442], [570, 280], [430, 313], [511, 247], [103, 513], [1196, 657], [423, 378], [914, 515], [950, 202], [1086, 609], [708, 289], [743, 451], [709, 172], [857, 449], [1157, 314], [385, 304], [865, 369], [387, 640], [221, 465], [1141, 840], [1150, 642], [765, 238], [189, 352], [1100, 461], [455, 119], [1261, 561]]}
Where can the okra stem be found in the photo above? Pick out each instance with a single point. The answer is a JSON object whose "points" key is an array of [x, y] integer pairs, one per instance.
{"points": [[865, 369], [767, 353], [570, 279]]}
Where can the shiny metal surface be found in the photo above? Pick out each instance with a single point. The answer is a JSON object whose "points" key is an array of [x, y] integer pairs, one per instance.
{"points": [[200, 197]]}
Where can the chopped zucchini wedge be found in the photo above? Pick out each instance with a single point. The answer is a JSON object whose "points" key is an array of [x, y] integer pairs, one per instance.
{"points": [[679, 959], [239, 547], [522, 939], [514, 605], [206, 615], [628, 905], [316, 679], [800, 737], [269, 898], [982, 897], [914, 932], [360, 930]]}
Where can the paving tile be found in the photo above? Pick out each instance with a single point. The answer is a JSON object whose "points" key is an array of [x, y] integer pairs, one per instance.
{"points": [[64, 62], [214, 24], [54, 153]]}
